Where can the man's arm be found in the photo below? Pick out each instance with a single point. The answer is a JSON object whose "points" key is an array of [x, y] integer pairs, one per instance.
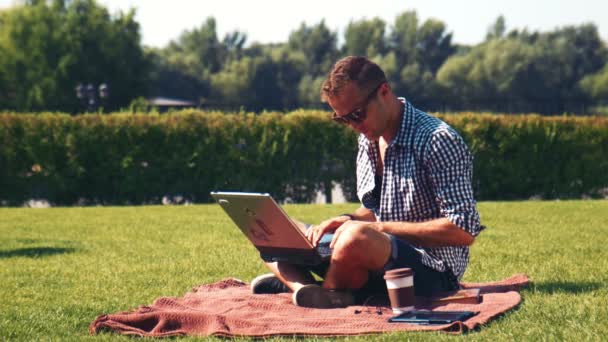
{"points": [[363, 214], [449, 164], [434, 233]]}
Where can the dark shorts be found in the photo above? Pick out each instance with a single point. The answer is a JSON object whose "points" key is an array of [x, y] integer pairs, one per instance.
{"points": [[426, 280]]}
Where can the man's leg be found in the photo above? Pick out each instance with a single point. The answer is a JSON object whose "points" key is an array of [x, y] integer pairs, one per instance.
{"points": [[291, 275], [294, 276], [356, 253]]}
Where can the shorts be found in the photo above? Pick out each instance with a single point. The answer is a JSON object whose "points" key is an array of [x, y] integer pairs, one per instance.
{"points": [[427, 281]]}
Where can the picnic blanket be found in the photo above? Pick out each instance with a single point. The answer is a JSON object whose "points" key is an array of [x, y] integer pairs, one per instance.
{"points": [[228, 308]]}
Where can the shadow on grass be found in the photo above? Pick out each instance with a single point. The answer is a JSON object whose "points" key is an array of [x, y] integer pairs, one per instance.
{"points": [[35, 252], [552, 287]]}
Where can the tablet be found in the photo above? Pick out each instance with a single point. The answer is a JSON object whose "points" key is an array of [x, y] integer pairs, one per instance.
{"points": [[432, 317]]}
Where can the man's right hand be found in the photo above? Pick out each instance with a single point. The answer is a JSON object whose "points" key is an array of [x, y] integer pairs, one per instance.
{"points": [[315, 233]]}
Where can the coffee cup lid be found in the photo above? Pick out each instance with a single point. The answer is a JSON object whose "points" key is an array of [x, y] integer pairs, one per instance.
{"points": [[398, 273]]}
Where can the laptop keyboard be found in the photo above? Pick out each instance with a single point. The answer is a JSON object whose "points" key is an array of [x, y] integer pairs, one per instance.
{"points": [[323, 246]]}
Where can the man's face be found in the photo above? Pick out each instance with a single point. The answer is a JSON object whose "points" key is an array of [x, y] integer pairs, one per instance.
{"points": [[351, 100]]}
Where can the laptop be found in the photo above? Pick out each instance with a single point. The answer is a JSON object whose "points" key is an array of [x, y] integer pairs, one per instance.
{"points": [[276, 236]]}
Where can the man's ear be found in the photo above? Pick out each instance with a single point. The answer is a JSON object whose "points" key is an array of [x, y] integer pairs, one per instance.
{"points": [[385, 89]]}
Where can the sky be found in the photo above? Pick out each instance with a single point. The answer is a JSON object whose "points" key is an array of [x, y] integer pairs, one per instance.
{"points": [[271, 21]]}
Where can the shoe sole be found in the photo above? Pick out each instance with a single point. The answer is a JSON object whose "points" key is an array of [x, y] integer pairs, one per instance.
{"points": [[314, 296], [259, 279]]}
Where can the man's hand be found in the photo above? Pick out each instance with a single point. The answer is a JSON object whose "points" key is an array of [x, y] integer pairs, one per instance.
{"points": [[315, 233]]}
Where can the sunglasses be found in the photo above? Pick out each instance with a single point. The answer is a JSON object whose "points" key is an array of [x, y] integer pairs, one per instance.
{"points": [[359, 114]]}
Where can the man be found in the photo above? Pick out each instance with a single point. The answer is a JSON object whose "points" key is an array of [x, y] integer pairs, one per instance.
{"points": [[414, 177]]}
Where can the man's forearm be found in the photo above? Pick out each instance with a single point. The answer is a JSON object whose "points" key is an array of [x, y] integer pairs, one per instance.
{"points": [[433, 233], [363, 214]]}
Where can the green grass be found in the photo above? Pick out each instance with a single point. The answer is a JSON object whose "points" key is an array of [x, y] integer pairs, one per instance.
{"points": [[61, 267]]}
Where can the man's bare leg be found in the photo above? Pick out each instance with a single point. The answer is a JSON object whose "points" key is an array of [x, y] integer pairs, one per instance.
{"points": [[290, 275], [356, 252]]}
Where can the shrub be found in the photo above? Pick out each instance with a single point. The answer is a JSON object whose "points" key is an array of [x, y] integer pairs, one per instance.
{"points": [[135, 158]]}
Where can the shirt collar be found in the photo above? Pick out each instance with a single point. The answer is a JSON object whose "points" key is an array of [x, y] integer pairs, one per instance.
{"points": [[404, 132], [405, 129]]}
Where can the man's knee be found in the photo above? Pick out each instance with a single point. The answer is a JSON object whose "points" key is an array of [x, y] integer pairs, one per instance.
{"points": [[356, 246]]}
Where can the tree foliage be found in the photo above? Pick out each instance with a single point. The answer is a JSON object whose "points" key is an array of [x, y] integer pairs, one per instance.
{"points": [[49, 47], [365, 38], [498, 29], [522, 71], [596, 85], [318, 44]]}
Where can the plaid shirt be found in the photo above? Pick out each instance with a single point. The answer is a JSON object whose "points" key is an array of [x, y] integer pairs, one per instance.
{"points": [[427, 175]]}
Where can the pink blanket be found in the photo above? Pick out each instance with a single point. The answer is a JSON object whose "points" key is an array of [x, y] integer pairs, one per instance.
{"points": [[227, 308]]}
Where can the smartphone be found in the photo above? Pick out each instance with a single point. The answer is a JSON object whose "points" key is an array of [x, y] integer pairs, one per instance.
{"points": [[426, 317]]}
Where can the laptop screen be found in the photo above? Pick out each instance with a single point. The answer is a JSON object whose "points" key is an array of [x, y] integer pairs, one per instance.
{"points": [[260, 218]]}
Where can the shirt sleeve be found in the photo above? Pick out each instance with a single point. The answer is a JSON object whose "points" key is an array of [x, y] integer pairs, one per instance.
{"points": [[450, 166]]}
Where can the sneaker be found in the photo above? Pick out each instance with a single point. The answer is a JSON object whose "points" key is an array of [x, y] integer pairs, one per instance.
{"points": [[268, 284], [315, 296]]}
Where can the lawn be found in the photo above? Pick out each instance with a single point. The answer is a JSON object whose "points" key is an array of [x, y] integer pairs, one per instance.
{"points": [[61, 267]]}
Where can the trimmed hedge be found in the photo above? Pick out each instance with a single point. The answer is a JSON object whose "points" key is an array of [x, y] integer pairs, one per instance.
{"points": [[139, 158], [520, 156], [125, 158]]}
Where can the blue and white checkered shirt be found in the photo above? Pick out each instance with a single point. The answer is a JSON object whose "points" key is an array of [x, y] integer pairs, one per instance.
{"points": [[427, 175]]}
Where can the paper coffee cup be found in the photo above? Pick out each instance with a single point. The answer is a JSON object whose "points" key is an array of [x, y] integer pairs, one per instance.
{"points": [[400, 287]]}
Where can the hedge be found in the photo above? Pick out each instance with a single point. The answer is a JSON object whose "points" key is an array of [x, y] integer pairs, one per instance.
{"points": [[139, 158]]}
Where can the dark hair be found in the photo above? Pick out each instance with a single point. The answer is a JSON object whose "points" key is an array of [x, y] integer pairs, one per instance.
{"points": [[365, 73]]}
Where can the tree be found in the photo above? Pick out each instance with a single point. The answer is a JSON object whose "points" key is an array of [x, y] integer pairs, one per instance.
{"points": [[419, 51], [498, 29], [49, 47], [500, 75], [198, 52], [169, 80], [267, 81], [525, 71], [309, 91], [434, 45], [427, 45], [579, 51], [318, 44], [233, 43], [403, 37], [185, 67], [365, 38], [33, 63], [107, 49], [596, 85]]}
